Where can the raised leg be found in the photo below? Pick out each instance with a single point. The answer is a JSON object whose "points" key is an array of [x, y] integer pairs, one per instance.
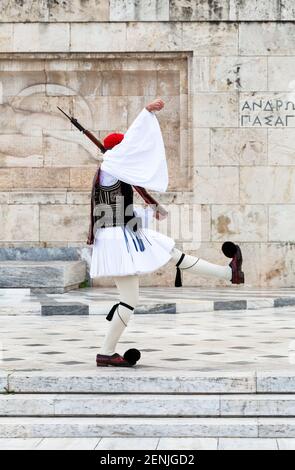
{"points": [[200, 266], [233, 272]]}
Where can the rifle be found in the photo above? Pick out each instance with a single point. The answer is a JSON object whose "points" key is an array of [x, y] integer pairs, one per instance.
{"points": [[85, 131], [148, 199]]}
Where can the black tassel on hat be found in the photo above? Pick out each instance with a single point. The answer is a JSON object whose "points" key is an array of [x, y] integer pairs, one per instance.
{"points": [[178, 280]]}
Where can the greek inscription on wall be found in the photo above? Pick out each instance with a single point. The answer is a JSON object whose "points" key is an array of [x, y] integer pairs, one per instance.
{"points": [[267, 112]]}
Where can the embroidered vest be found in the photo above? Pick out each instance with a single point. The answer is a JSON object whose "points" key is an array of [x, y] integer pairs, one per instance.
{"points": [[114, 206]]}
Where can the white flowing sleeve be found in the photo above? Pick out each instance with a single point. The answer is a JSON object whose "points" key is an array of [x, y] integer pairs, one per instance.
{"points": [[140, 158]]}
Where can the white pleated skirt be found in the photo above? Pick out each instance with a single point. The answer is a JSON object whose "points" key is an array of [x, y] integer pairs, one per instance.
{"points": [[117, 251]]}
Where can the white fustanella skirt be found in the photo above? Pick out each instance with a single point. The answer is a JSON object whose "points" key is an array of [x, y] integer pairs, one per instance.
{"points": [[118, 251]]}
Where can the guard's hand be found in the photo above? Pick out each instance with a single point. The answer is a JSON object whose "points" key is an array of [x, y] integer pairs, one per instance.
{"points": [[160, 213], [159, 216], [90, 240], [155, 105]]}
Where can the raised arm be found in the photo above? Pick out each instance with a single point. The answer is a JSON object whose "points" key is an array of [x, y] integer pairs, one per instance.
{"points": [[140, 158], [155, 105]]}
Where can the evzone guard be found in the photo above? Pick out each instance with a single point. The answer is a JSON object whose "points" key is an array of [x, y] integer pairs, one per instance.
{"points": [[122, 248]]}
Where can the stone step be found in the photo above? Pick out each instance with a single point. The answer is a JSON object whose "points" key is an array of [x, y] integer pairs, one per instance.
{"points": [[42, 276], [131, 381], [146, 443], [137, 380], [146, 427], [147, 405], [64, 308]]}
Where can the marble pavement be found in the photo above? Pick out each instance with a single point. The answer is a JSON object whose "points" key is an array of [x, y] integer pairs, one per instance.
{"points": [[199, 341], [208, 379], [97, 301]]}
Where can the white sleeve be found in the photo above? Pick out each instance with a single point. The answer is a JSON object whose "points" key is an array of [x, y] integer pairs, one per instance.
{"points": [[106, 179], [140, 158]]}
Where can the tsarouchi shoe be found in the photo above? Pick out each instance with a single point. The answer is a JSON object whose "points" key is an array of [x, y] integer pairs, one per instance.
{"points": [[114, 360], [234, 251]]}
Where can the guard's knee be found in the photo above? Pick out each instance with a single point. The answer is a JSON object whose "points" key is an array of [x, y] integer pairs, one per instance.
{"points": [[176, 254], [135, 298], [124, 314]]}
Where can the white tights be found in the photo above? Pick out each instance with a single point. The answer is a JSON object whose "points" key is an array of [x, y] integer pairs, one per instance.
{"points": [[128, 287], [201, 267]]}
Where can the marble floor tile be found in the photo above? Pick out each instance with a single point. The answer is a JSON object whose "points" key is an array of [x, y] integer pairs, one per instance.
{"points": [[19, 443], [286, 443], [247, 444], [64, 443], [183, 443], [127, 443]]}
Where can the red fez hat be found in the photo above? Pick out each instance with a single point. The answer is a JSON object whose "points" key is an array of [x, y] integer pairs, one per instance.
{"points": [[112, 139]]}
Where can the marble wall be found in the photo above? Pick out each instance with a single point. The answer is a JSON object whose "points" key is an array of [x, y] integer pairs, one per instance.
{"points": [[226, 72]]}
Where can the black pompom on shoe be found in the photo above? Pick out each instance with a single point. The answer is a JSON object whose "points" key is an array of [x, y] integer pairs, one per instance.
{"points": [[229, 249], [132, 356]]}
